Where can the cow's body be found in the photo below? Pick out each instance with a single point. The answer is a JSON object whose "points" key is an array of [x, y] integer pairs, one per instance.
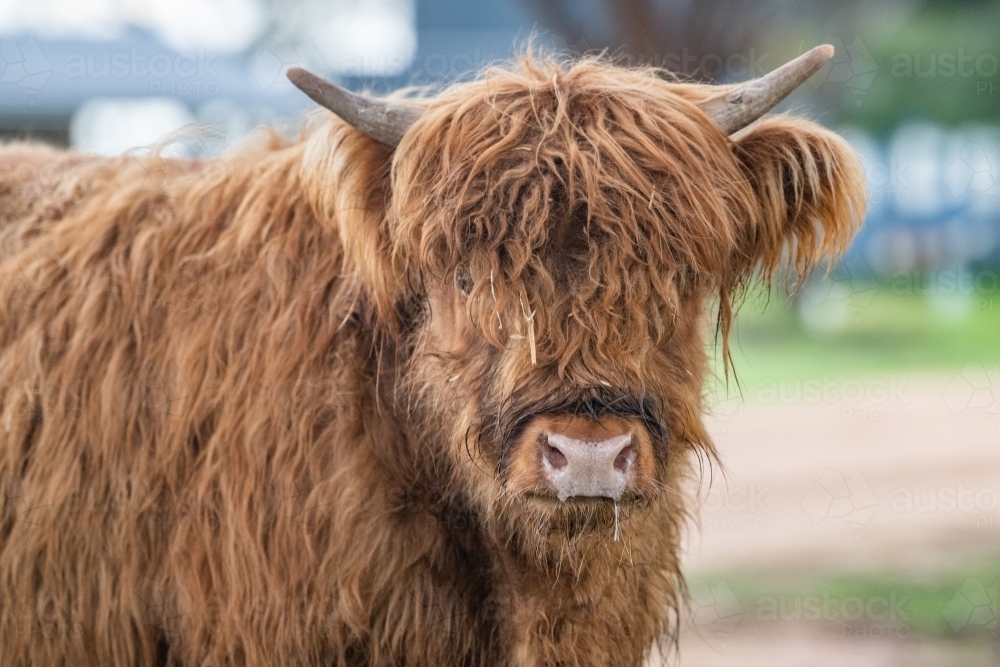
{"points": [[218, 449], [152, 355]]}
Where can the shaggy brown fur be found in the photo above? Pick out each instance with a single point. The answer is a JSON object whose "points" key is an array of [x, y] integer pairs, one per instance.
{"points": [[263, 410]]}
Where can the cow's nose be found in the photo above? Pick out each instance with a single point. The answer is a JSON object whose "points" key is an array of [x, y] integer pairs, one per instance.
{"points": [[581, 467]]}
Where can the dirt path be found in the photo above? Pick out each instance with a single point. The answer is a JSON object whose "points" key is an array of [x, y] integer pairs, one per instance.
{"points": [[895, 474], [790, 646], [898, 471]]}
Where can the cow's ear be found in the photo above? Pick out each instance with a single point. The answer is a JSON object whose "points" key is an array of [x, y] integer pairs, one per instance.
{"points": [[347, 180], [809, 188]]}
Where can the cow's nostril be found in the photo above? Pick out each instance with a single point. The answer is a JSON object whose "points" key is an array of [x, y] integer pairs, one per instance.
{"points": [[555, 458], [625, 459]]}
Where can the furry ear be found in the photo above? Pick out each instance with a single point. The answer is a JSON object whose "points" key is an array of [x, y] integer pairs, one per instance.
{"points": [[347, 179], [810, 192]]}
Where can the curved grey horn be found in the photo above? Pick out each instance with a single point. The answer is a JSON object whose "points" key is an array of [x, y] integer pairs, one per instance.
{"points": [[744, 103], [381, 120]]}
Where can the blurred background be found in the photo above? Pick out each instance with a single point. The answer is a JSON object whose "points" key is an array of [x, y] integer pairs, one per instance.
{"points": [[857, 517]]}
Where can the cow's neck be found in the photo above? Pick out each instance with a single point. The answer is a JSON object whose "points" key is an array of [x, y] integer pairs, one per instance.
{"points": [[596, 602]]}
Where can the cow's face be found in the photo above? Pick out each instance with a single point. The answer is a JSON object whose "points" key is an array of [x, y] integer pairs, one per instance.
{"points": [[589, 401], [559, 348], [553, 242]]}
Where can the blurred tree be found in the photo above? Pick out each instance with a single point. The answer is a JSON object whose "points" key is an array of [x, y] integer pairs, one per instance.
{"points": [[896, 59], [942, 64]]}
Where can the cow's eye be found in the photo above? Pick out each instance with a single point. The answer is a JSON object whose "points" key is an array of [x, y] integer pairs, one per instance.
{"points": [[464, 281]]}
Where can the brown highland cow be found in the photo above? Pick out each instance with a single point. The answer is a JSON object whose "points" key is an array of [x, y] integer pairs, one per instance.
{"points": [[422, 387]]}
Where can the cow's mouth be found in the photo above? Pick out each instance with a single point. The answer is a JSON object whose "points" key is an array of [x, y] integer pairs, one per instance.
{"points": [[553, 501], [580, 516]]}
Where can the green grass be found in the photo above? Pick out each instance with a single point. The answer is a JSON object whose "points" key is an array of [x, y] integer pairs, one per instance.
{"points": [[885, 331], [935, 606]]}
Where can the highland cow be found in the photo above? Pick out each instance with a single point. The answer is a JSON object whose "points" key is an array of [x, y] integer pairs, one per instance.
{"points": [[421, 387]]}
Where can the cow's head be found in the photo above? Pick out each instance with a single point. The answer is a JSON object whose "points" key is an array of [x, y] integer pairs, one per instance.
{"points": [[544, 244]]}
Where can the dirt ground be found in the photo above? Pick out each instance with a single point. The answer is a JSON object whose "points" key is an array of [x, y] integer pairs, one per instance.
{"points": [[789, 646], [897, 474]]}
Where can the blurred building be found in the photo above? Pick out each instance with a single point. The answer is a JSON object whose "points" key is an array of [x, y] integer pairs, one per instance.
{"points": [[106, 93]]}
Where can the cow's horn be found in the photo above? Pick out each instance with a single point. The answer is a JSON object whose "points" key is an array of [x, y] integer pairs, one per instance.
{"points": [[742, 104], [380, 119]]}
